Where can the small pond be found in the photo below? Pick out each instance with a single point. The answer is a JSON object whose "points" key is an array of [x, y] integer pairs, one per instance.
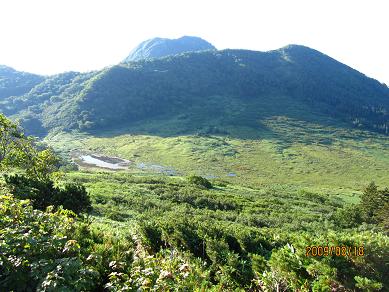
{"points": [[105, 162]]}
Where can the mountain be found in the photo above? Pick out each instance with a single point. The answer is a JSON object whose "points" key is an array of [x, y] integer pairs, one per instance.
{"points": [[229, 92], [162, 47], [14, 82], [265, 162]]}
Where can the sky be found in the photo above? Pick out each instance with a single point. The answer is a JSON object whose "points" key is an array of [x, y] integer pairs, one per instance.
{"points": [[53, 36]]}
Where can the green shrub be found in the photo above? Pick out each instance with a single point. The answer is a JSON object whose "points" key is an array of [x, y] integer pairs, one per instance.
{"points": [[348, 217], [374, 204], [367, 285], [43, 193], [38, 250], [200, 181]]}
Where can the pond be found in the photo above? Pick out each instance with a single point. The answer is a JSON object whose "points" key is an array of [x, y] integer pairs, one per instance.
{"points": [[105, 162], [115, 163]]}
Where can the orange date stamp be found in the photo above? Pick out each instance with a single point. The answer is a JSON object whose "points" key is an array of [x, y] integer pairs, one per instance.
{"points": [[340, 251]]}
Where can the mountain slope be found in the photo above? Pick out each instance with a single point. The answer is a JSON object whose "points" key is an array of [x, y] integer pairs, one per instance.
{"points": [[219, 92], [33, 107], [13, 83], [235, 86], [162, 47]]}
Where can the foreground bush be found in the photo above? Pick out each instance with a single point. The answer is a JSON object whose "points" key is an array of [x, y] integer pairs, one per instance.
{"points": [[43, 193], [37, 250], [265, 260], [55, 251]]}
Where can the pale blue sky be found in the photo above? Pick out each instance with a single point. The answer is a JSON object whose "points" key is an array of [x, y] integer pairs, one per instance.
{"points": [[52, 36]]}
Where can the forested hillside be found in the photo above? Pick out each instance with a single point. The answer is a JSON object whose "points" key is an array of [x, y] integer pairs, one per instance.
{"points": [[14, 83], [225, 88]]}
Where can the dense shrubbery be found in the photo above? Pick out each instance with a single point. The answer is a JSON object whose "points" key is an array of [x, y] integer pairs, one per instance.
{"points": [[235, 250], [39, 166], [167, 270], [249, 257], [38, 250], [200, 181], [55, 251], [43, 193]]}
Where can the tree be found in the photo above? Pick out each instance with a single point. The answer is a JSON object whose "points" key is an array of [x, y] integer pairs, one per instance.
{"points": [[374, 203], [44, 193], [18, 150], [39, 164], [10, 135]]}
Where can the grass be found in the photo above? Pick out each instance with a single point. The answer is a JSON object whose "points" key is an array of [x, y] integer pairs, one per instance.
{"points": [[297, 155]]}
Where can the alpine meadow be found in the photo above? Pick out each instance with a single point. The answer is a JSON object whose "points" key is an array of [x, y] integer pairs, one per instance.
{"points": [[188, 168]]}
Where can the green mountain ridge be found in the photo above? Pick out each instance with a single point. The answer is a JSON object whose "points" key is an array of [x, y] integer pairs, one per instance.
{"points": [[14, 83], [210, 91]]}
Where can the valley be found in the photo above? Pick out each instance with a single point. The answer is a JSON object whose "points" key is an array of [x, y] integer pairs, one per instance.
{"points": [[186, 168], [307, 156]]}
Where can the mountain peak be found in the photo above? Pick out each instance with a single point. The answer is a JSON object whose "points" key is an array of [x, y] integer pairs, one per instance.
{"points": [[5, 68], [161, 47], [299, 49]]}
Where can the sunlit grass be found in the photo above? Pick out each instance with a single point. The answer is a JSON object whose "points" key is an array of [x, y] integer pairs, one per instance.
{"points": [[308, 156]]}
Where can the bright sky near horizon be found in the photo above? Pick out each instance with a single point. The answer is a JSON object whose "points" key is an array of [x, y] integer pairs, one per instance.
{"points": [[53, 36]]}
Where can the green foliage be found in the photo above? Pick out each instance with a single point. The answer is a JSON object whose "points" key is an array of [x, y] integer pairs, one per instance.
{"points": [[374, 204], [167, 241], [289, 188], [236, 251], [167, 270], [349, 216], [43, 193], [367, 285], [18, 150], [40, 164], [179, 234], [200, 181], [10, 137], [37, 250], [373, 209], [56, 251]]}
